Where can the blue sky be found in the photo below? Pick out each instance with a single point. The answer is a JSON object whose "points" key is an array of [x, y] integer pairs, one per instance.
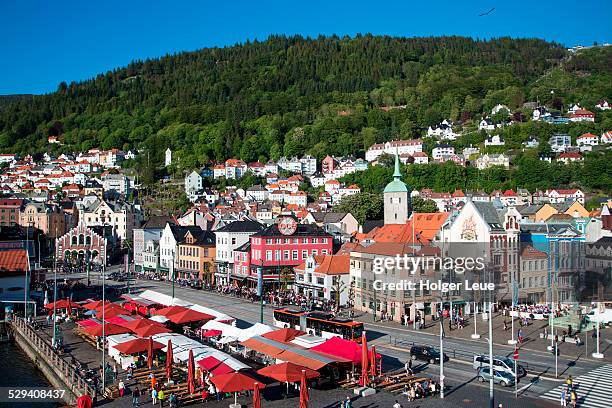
{"points": [[44, 42]]}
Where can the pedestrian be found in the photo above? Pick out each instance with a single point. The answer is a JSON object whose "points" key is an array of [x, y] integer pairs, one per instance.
{"points": [[347, 403], [397, 404], [121, 388], [154, 396], [563, 398], [161, 397], [115, 371], [450, 325], [573, 398], [569, 382], [520, 336], [505, 325], [136, 397]]}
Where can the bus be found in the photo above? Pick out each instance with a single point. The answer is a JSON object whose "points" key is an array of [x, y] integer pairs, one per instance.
{"points": [[322, 324]]}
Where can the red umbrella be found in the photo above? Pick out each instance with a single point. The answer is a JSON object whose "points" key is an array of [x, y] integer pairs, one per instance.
{"points": [[150, 330], [373, 362], [283, 335], [364, 360], [287, 372], [256, 397], [69, 308], [235, 382], [84, 401], [303, 391], [212, 333], [191, 373], [137, 346], [109, 330], [214, 366], [169, 361], [94, 305], [150, 353]]}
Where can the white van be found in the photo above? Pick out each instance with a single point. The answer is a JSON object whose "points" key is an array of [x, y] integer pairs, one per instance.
{"points": [[500, 363], [605, 316]]}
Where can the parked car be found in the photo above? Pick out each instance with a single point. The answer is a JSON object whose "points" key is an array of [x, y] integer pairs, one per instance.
{"points": [[426, 353], [499, 377], [500, 363]]}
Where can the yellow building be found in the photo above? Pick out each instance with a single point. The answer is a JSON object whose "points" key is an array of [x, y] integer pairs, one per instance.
{"points": [[196, 256]]}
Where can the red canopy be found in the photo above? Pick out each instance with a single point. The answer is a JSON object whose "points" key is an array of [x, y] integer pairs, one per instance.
{"points": [[111, 310], [340, 347], [303, 391], [94, 305], [88, 323], [169, 357], [62, 304], [137, 346], [235, 382], [373, 361], [182, 315], [109, 330], [150, 330], [287, 372], [214, 366], [212, 333], [283, 335], [191, 373]]}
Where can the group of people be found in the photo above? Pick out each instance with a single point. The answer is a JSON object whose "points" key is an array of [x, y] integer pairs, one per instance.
{"points": [[420, 389], [568, 394]]}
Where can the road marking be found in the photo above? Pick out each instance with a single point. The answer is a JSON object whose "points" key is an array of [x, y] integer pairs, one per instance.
{"points": [[592, 388]]}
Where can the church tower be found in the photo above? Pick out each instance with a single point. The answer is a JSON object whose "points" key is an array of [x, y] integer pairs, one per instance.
{"points": [[397, 198]]}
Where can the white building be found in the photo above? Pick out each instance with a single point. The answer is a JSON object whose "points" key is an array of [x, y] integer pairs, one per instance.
{"points": [[559, 142], [603, 105], [257, 193], [121, 216], [309, 164], [587, 139], [230, 237], [116, 182], [441, 151], [324, 277], [488, 160], [443, 131], [495, 140], [393, 147], [168, 157]]}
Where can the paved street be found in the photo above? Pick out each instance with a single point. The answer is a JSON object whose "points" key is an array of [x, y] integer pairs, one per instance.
{"points": [[394, 341]]}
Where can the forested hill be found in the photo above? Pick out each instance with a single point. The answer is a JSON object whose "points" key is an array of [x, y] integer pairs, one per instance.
{"points": [[292, 95]]}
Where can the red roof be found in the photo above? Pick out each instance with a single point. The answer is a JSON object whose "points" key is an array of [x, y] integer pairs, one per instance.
{"points": [[214, 366], [283, 335], [570, 155], [509, 193], [586, 136]]}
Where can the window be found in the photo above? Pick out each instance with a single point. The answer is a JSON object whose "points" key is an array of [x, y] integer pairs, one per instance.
{"points": [[304, 253], [304, 240], [315, 252], [269, 241], [233, 241], [323, 252], [294, 255], [315, 241], [287, 240], [325, 240], [268, 255], [319, 281], [286, 255], [277, 254]]}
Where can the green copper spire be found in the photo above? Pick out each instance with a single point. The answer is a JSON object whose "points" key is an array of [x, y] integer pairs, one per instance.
{"points": [[396, 173], [396, 185]]}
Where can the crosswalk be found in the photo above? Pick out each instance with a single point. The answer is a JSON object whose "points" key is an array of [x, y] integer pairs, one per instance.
{"points": [[593, 388]]}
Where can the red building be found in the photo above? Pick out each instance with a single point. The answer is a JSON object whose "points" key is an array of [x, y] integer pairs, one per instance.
{"points": [[82, 243], [279, 248]]}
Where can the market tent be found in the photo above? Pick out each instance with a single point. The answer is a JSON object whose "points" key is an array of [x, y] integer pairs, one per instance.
{"points": [[287, 372], [235, 382], [291, 353], [159, 319], [257, 329], [340, 347], [188, 316], [94, 305], [137, 346], [214, 366], [109, 330], [212, 333], [88, 323], [110, 310], [150, 330], [226, 329], [162, 299], [62, 304], [283, 335]]}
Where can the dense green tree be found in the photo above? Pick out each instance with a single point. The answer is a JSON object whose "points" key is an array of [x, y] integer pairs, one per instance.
{"points": [[421, 205], [363, 206]]}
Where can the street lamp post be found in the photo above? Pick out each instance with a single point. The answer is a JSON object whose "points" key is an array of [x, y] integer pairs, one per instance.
{"points": [[103, 327], [491, 372], [475, 335], [172, 275], [55, 295], [441, 348]]}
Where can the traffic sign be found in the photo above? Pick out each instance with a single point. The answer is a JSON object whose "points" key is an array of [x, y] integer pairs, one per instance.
{"points": [[515, 355]]}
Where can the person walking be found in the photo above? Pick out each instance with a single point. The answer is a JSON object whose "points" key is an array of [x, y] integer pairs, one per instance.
{"points": [[563, 398], [136, 397], [154, 396], [161, 397], [121, 388], [573, 398], [397, 404]]}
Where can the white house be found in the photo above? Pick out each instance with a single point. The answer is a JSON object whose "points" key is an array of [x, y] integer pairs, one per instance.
{"points": [[531, 143], [230, 237], [559, 142], [587, 139], [442, 131], [193, 182], [495, 140], [324, 278], [557, 196], [257, 193], [498, 108], [574, 108], [603, 105], [606, 137], [420, 158], [442, 150], [487, 124], [488, 160], [309, 164]]}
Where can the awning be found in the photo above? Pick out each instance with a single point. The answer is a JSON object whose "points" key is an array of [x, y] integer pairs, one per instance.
{"points": [[212, 333], [137, 346], [214, 366]]}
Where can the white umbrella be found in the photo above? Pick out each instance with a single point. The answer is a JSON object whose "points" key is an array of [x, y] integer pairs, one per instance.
{"points": [[46, 302]]}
